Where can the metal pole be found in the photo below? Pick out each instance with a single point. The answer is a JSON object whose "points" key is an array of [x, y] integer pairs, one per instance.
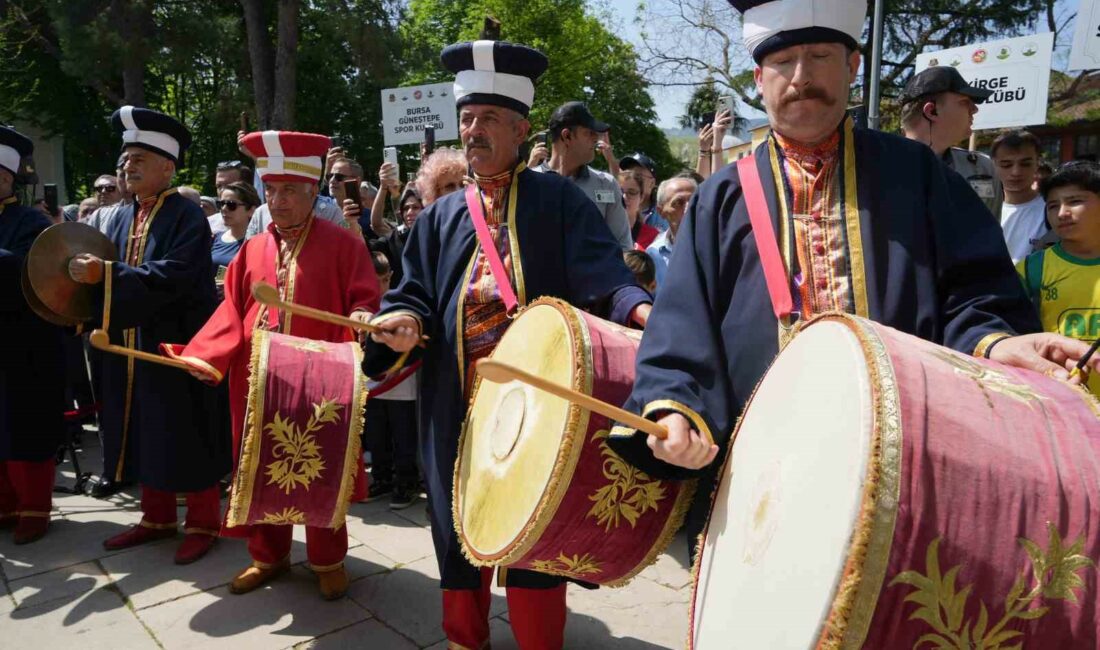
{"points": [[875, 92]]}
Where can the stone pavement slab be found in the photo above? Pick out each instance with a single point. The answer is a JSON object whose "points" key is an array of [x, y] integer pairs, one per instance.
{"points": [[65, 583], [97, 621], [281, 614], [395, 537], [368, 634], [409, 600], [148, 575]]}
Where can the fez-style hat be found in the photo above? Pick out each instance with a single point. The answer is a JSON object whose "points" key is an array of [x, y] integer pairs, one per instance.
{"points": [[152, 131], [14, 146], [494, 72], [288, 156], [773, 25]]}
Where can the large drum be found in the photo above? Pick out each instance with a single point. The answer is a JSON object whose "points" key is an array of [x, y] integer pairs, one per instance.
{"points": [[301, 444], [536, 486], [885, 492]]}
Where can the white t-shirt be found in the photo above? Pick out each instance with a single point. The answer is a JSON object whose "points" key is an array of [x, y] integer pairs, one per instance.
{"points": [[1021, 224]]}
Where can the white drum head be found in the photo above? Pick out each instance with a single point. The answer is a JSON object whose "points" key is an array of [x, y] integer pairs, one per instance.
{"points": [[789, 497]]}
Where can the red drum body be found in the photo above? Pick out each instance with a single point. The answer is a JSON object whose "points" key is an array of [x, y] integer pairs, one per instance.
{"points": [[301, 443], [885, 492], [536, 486]]}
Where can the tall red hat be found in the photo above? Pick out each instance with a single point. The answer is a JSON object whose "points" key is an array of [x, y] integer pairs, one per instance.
{"points": [[288, 156]]}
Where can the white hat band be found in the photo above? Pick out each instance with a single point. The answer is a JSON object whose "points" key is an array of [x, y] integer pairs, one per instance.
{"points": [[162, 141], [9, 158], [517, 87], [766, 20]]}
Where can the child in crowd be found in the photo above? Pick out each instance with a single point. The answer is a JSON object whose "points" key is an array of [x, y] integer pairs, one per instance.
{"points": [[389, 430], [645, 272], [1064, 281]]}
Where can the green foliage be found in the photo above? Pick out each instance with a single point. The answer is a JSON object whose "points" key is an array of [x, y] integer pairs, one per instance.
{"points": [[587, 62]]}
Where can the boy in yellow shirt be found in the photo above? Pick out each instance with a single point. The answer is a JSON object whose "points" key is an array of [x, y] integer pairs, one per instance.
{"points": [[1064, 281]]}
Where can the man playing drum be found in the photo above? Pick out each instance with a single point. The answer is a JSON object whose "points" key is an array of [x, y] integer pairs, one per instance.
{"points": [[472, 258], [311, 262], [906, 243]]}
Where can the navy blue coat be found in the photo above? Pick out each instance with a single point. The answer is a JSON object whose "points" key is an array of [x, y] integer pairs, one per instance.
{"points": [[32, 362], [936, 267], [566, 251], [174, 427]]}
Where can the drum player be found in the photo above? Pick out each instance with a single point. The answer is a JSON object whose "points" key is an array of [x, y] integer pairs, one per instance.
{"points": [[539, 235], [311, 262], [908, 244]]}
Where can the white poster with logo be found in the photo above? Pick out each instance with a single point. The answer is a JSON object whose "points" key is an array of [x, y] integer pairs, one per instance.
{"points": [[1085, 53], [406, 111], [1017, 70]]}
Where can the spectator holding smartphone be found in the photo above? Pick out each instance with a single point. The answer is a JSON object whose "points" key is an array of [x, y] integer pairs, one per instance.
{"points": [[575, 135]]}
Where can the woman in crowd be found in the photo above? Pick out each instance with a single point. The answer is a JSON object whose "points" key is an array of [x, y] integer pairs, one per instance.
{"points": [[631, 181], [236, 202]]}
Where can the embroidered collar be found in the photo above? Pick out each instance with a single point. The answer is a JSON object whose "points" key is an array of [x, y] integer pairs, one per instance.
{"points": [[821, 152], [496, 181]]}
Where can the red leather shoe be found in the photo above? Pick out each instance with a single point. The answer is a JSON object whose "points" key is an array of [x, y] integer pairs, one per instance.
{"points": [[194, 546], [30, 529], [138, 535]]}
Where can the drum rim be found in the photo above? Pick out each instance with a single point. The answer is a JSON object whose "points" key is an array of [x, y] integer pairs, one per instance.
{"points": [[858, 588], [569, 451]]}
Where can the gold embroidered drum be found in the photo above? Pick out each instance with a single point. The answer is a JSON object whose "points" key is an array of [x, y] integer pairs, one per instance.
{"points": [[300, 449], [885, 492], [536, 486]]}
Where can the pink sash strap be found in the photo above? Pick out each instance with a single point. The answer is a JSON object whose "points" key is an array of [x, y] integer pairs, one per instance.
{"points": [[496, 265]]}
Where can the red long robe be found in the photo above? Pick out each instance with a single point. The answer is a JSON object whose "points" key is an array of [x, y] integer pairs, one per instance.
{"points": [[332, 270]]}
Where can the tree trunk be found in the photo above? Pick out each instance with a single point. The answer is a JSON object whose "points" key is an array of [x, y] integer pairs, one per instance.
{"points": [[136, 27], [259, 54], [286, 65]]}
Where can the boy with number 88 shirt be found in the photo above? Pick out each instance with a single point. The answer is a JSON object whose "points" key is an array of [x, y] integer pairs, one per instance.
{"points": [[1064, 281]]}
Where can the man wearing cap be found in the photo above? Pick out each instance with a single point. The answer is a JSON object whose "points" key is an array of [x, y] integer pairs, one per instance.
{"points": [[312, 262], [648, 168], [32, 365], [161, 289], [938, 108], [575, 132], [543, 237], [907, 244]]}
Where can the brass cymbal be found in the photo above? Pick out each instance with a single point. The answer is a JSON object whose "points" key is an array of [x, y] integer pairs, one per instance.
{"points": [[43, 312], [48, 267]]}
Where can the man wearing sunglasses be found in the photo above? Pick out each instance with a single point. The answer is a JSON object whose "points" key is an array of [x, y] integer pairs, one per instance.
{"points": [[106, 190]]}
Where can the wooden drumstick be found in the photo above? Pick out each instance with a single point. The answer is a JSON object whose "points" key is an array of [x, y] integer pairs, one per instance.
{"points": [[499, 372], [101, 341], [269, 295]]}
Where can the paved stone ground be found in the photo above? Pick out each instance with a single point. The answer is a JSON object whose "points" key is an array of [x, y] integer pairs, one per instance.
{"points": [[65, 591]]}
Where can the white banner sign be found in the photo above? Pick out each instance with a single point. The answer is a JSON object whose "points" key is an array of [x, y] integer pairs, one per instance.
{"points": [[1085, 53], [1017, 70], [406, 111]]}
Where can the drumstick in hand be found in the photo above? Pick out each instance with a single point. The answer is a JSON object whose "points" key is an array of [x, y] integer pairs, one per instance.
{"points": [[499, 373], [102, 341], [1079, 369], [266, 294]]}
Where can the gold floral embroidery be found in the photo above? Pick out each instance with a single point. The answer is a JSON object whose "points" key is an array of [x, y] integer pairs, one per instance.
{"points": [[989, 379], [630, 494], [306, 345], [573, 567], [1055, 575], [288, 516], [297, 454]]}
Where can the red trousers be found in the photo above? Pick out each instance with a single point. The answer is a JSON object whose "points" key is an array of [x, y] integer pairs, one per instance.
{"points": [[537, 616], [203, 510], [325, 547], [26, 487]]}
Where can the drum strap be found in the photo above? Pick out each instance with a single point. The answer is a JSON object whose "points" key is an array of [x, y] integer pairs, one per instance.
{"points": [[488, 247], [775, 274]]}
